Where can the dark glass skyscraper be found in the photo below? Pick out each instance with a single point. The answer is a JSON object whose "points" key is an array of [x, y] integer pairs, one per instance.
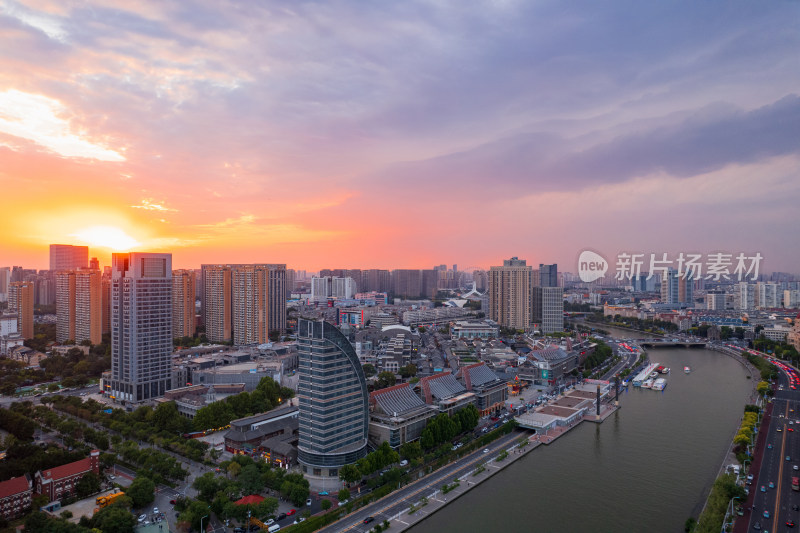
{"points": [[334, 411]]}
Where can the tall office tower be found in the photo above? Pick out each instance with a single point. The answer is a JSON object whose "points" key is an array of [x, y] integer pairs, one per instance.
{"points": [[68, 257], [334, 410], [747, 292], [430, 283], [141, 326], [183, 293], [509, 294], [669, 287], [376, 280], [20, 301], [65, 305], [217, 302], [94, 263], [79, 314], [407, 283], [548, 275], [686, 288], [291, 281], [105, 302], [5, 279], [548, 308]]}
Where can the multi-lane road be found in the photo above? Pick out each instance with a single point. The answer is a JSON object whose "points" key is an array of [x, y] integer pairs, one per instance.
{"points": [[773, 509]]}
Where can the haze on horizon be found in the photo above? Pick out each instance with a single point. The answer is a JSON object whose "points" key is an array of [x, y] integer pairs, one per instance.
{"points": [[392, 135]]}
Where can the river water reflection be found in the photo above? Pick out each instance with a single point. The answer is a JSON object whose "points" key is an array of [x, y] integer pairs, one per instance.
{"points": [[646, 468]]}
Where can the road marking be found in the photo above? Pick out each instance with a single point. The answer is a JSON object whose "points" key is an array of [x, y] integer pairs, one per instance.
{"points": [[780, 474]]}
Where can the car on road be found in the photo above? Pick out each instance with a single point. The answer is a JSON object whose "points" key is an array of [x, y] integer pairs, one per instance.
{"points": [[749, 479], [369, 519], [155, 510], [795, 467], [281, 516], [290, 512], [790, 523], [769, 446], [142, 517], [766, 514], [308, 501], [763, 489], [173, 502], [486, 450], [343, 502], [270, 521], [771, 485], [757, 526]]}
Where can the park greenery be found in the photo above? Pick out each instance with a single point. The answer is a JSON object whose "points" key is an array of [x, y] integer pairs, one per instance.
{"points": [[602, 352], [241, 476], [443, 428], [267, 395], [722, 492]]}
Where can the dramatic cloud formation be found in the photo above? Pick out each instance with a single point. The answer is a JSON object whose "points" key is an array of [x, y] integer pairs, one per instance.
{"points": [[346, 133]]}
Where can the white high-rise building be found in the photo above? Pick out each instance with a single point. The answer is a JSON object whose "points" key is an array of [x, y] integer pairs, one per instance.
{"points": [[747, 293], [766, 295], [326, 287], [791, 298], [141, 326]]}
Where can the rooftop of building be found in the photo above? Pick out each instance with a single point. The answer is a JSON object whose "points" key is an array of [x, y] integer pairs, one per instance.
{"points": [[15, 485], [262, 417], [67, 470]]}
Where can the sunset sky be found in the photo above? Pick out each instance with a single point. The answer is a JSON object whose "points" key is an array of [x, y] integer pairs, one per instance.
{"points": [[399, 134]]}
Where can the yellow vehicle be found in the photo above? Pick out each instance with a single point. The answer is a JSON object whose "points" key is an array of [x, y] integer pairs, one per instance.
{"points": [[108, 499]]}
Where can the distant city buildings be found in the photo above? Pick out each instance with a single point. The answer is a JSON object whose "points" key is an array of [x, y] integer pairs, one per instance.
{"points": [[244, 303], [68, 257], [141, 326]]}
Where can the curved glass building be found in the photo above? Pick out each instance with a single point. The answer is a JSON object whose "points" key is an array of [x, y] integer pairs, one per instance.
{"points": [[334, 411]]}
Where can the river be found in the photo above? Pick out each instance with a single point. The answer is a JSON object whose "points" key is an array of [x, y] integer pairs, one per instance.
{"points": [[646, 468]]}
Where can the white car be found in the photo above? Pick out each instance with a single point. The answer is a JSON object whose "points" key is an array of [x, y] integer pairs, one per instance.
{"points": [[142, 517], [155, 510], [486, 450]]}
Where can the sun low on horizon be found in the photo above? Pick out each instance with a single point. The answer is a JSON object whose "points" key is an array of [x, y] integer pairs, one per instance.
{"points": [[108, 237]]}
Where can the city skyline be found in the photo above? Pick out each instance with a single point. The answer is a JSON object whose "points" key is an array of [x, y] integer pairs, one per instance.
{"points": [[399, 136]]}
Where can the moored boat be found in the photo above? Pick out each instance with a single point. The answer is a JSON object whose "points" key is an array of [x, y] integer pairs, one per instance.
{"points": [[659, 384], [686, 369]]}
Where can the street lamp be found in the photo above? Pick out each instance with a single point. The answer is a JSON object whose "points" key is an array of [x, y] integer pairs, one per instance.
{"points": [[201, 523]]}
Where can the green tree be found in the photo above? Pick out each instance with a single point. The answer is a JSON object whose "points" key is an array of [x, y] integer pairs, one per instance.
{"points": [[234, 469], [326, 504], [385, 379], [411, 450], [369, 370], [250, 479], [408, 371], [343, 495], [141, 491], [114, 518], [350, 474], [87, 485]]}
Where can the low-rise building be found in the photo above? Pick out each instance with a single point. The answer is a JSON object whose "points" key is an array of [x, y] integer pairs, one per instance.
{"points": [[491, 391], [59, 482], [445, 392], [247, 434], [473, 329], [397, 415], [16, 495]]}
